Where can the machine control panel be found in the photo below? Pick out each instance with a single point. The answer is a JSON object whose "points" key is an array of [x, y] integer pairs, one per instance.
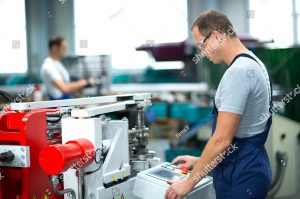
{"points": [[153, 183], [166, 172]]}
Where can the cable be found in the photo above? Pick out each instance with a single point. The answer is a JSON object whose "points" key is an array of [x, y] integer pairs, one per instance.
{"points": [[90, 172], [55, 181], [7, 96], [56, 120], [97, 162], [280, 172]]}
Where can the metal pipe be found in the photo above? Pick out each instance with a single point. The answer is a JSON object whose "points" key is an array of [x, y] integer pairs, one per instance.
{"points": [[140, 121], [55, 181], [141, 133], [80, 184]]}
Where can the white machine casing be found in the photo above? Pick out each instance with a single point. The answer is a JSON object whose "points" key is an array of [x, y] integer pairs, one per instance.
{"points": [[283, 138], [148, 186], [108, 135]]}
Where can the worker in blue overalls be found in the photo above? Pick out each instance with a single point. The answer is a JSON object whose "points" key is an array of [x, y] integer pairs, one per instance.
{"points": [[235, 154], [55, 76]]}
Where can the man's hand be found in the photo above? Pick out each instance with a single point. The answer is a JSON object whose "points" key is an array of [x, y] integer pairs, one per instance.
{"points": [[93, 81], [69, 87], [186, 159], [180, 188]]}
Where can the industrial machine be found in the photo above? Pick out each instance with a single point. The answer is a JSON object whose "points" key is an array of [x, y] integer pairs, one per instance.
{"points": [[282, 147], [82, 152]]}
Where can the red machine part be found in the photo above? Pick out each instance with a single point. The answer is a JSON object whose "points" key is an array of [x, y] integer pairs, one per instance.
{"points": [[58, 158], [26, 129]]}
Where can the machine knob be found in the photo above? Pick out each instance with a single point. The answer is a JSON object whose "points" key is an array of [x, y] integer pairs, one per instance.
{"points": [[74, 154], [7, 156]]}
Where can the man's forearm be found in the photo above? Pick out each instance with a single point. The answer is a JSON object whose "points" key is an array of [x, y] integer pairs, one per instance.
{"points": [[70, 87], [212, 155], [74, 86]]}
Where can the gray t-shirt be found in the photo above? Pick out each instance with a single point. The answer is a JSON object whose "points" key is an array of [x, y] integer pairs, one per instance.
{"points": [[245, 90]]}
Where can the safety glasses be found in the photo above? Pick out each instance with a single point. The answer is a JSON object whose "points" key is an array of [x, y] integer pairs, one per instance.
{"points": [[201, 43]]}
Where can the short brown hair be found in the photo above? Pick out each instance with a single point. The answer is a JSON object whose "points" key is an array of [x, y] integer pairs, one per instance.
{"points": [[55, 41], [212, 20]]}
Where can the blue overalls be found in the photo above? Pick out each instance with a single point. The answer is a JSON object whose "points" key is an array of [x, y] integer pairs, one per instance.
{"points": [[65, 96], [246, 172]]}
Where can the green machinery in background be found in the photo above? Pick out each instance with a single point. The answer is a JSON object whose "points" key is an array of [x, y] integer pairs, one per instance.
{"points": [[283, 66]]}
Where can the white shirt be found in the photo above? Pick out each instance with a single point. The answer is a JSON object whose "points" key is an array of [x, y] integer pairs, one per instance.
{"points": [[53, 70]]}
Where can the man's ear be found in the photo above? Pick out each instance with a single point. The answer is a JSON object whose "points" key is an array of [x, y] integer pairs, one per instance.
{"points": [[221, 37]]}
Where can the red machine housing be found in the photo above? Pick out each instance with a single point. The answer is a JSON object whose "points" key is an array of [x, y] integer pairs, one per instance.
{"points": [[26, 129], [74, 154]]}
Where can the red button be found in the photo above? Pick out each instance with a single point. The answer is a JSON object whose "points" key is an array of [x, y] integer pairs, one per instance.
{"points": [[185, 168]]}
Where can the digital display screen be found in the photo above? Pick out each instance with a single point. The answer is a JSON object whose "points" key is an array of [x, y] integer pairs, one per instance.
{"points": [[166, 174]]}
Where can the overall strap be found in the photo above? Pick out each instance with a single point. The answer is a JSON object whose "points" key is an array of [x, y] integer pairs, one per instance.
{"points": [[270, 80]]}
